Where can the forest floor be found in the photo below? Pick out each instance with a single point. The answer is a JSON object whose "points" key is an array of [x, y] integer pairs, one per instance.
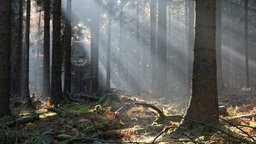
{"points": [[119, 117]]}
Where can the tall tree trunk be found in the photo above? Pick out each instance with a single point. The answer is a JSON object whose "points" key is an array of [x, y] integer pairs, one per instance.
{"points": [[153, 42], [56, 90], [247, 82], [67, 79], [38, 52], [162, 49], [20, 50], [190, 43], [232, 55], [14, 48], [27, 39], [95, 26], [218, 46], [46, 62], [5, 46], [204, 102], [109, 33]]}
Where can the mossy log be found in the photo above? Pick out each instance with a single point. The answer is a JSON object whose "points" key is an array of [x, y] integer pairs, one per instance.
{"points": [[22, 120]]}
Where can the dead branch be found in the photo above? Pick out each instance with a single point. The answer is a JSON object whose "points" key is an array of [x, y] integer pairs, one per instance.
{"points": [[160, 112], [241, 116], [22, 120]]}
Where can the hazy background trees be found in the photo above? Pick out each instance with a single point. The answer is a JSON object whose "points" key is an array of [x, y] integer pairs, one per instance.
{"points": [[143, 46]]}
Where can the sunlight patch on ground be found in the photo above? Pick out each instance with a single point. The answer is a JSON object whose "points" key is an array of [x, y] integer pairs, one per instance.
{"points": [[45, 115]]}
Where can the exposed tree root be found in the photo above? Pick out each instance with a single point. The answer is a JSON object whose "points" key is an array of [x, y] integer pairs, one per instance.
{"points": [[235, 139]]}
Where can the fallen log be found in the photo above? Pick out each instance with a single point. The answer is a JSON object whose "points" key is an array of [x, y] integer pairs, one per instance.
{"points": [[77, 100], [85, 140], [22, 120], [57, 111], [82, 97], [92, 98]]}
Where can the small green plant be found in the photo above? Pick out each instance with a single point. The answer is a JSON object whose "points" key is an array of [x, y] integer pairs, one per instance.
{"points": [[232, 111]]}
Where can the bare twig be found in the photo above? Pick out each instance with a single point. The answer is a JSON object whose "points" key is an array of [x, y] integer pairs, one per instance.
{"points": [[190, 138], [163, 131], [117, 111]]}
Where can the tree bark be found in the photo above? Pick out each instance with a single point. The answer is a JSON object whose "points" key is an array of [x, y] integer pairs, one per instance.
{"points": [[247, 82], [26, 54], [5, 46], [218, 45], [14, 47], [67, 79], [204, 102], [56, 90], [46, 62], [20, 50]]}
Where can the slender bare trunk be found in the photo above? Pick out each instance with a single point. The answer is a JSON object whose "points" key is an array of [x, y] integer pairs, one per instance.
{"points": [[26, 54], [247, 82]]}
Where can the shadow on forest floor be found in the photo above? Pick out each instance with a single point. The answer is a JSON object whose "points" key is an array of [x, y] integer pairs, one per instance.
{"points": [[119, 117]]}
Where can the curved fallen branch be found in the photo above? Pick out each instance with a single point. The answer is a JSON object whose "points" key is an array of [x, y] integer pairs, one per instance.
{"points": [[158, 110], [161, 115]]}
